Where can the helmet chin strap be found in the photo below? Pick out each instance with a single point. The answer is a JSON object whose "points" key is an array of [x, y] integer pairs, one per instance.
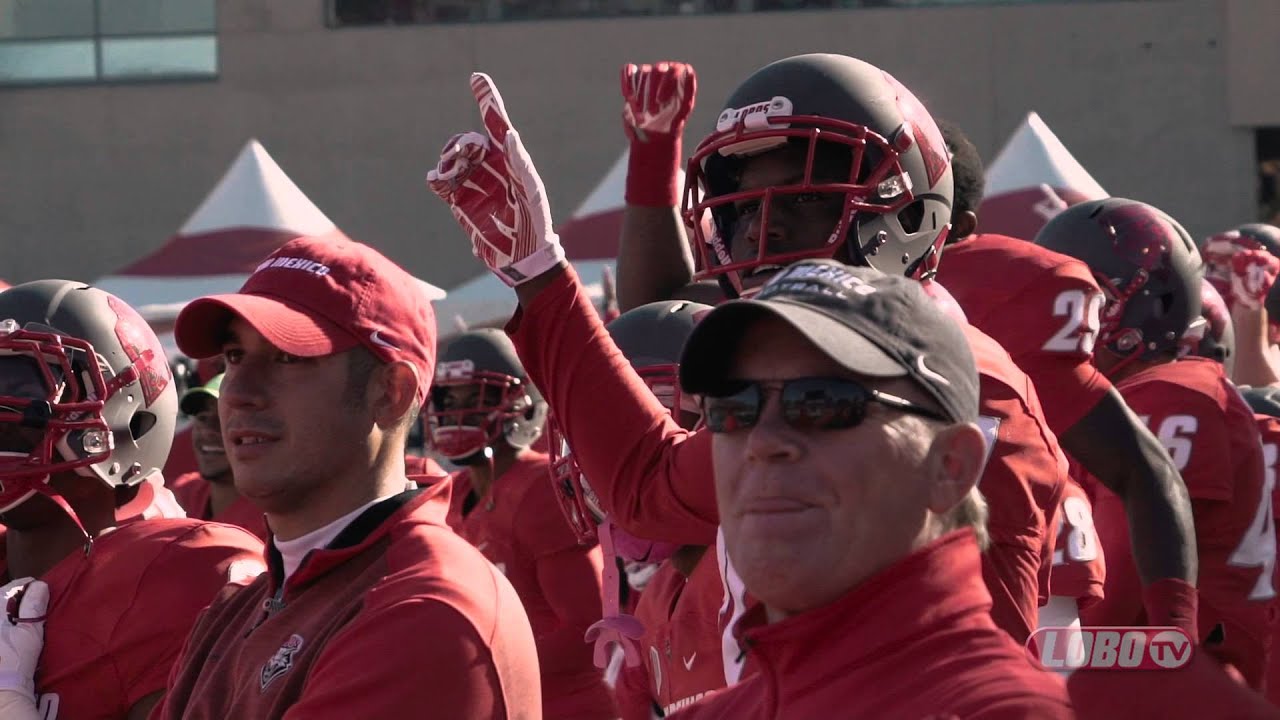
{"points": [[46, 490], [1126, 361], [479, 456]]}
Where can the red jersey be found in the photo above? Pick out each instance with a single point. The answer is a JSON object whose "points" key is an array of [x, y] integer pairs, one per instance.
{"points": [[520, 529], [192, 492], [1212, 437], [1269, 429], [1023, 483], [396, 617], [118, 616], [1079, 565], [915, 640], [1041, 306], [680, 650], [655, 478], [1199, 690]]}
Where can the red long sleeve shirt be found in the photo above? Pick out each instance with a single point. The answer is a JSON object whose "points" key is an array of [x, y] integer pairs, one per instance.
{"points": [[680, 651], [520, 529]]}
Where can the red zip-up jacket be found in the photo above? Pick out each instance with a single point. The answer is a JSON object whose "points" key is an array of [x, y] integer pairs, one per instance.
{"points": [[915, 640], [520, 529], [397, 617], [680, 651], [655, 478]]}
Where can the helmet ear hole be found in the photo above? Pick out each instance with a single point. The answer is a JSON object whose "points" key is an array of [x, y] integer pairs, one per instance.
{"points": [[911, 217], [141, 423]]}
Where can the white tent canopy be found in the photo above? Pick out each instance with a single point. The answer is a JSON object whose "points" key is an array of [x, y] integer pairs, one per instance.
{"points": [[251, 211], [1033, 178]]}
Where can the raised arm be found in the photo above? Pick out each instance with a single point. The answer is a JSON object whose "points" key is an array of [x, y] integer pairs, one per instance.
{"points": [[654, 261], [654, 477]]}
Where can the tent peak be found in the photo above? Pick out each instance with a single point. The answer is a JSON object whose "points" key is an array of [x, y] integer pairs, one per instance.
{"points": [[254, 192]]}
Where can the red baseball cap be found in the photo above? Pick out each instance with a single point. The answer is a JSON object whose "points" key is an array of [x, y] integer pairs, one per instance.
{"points": [[318, 296]]}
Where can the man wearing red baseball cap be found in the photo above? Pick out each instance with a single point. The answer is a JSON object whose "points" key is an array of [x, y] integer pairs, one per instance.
{"points": [[372, 606]]}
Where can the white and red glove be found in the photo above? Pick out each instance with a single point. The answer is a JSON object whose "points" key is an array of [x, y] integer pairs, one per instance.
{"points": [[1253, 272], [21, 641], [495, 194], [657, 100]]}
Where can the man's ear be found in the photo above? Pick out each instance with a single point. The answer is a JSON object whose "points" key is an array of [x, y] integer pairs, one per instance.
{"points": [[954, 464], [394, 393], [962, 225]]}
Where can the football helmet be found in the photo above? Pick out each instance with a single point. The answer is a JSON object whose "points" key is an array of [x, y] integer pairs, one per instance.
{"points": [[84, 387], [1217, 251], [880, 156], [1262, 400], [651, 338], [504, 403], [1148, 268]]}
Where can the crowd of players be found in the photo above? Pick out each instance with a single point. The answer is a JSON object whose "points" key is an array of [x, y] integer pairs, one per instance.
{"points": [[834, 454]]}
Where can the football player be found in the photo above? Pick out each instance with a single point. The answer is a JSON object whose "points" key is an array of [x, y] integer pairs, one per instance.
{"points": [[1150, 273], [1242, 265], [651, 262], [484, 414], [679, 658], [87, 411]]}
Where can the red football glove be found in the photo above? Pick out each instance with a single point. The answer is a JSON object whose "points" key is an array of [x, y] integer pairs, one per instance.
{"points": [[1253, 272], [495, 194], [657, 100], [1172, 602]]}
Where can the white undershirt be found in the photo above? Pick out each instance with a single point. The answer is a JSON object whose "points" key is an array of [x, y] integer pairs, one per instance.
{"points": [[292, 551]]}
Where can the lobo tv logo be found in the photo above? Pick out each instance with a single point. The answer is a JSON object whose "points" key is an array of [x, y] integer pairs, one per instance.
{"points": [[1111, 648]]}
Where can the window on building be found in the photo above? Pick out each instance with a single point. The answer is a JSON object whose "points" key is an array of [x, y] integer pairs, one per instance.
{"points": [[354, 13], [1268, 155], [55, 41]]}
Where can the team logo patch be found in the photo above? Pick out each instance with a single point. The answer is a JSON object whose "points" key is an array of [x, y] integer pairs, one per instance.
{"points": [[142, 348], [281, 662], [933, 149]]}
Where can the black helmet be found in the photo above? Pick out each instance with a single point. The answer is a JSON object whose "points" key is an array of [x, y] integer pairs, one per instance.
{"points": [[84, 386], [506, 404], [651, 338], [894, 171], [1262, 400], [1146, 264]]}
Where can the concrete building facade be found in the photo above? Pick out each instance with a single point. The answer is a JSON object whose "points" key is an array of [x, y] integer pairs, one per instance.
{"points": [[1159, 99]]}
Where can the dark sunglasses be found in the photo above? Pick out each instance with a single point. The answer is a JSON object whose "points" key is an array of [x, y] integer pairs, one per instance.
{"points": [[806, 403]]}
